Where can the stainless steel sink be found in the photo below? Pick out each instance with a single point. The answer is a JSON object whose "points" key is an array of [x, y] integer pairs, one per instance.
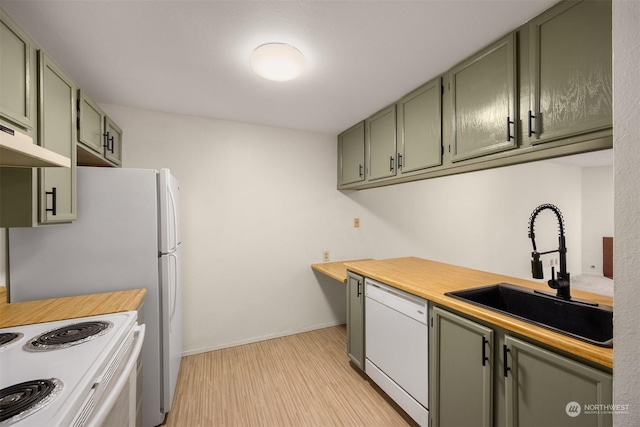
{"points": [[585, 321]]}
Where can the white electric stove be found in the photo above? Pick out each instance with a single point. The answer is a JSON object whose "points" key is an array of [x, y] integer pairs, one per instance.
{"points": [[74, 370]]}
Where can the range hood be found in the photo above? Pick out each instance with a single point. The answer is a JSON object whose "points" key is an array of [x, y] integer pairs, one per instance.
{"points": [[18, 150]]}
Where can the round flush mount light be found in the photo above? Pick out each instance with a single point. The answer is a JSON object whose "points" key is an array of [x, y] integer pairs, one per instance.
{"points": [[278, 61]]}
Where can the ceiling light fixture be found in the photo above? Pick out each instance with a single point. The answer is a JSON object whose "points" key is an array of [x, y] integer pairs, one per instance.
{"points": [[278, 61]]}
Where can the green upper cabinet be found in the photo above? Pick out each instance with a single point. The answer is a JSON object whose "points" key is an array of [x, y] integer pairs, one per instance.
{"points": [[91, 134], [56, 132], [351, 156], [15, 74], [419, 132], [483, 102], [570, 71], [113, 142], [381, 144], [99, 138]]}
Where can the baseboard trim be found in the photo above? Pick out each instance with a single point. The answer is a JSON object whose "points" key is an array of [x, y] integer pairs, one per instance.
{"points": [[262, 338]]}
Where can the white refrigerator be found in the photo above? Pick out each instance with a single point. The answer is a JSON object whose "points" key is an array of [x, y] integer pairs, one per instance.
{"points": [[126, 237]]}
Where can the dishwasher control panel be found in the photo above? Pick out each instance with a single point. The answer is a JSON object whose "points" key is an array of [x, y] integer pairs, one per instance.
{"points": [[403, 302]]}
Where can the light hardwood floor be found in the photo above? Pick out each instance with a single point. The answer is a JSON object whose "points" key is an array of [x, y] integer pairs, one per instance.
{"points": [[299, 380]]}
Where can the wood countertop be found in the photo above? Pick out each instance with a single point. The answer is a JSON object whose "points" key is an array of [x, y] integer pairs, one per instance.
{"points": [[336, 270], [431, 280], [49, 310]]}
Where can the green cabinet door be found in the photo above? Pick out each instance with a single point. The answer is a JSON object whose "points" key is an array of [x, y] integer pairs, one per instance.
{"points": [[355, 319], [91, 133], [419, 132], [113, 143], [381, 144], [570, 68], [547, 389], [351, 156], [56, 132], [15, 72], [99, 138], [461, 355], [483, 102]]}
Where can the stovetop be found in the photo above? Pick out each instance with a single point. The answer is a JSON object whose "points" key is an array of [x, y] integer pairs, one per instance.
{"points": [[68, 372]]}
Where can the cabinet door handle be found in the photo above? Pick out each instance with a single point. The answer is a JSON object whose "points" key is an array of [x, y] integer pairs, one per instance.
{"points": [[531, 117], [391, 163], [505, 364], [484, 351], [108, 139], [54, 201], [360, 170], [358, 292], [399, 160], [509, 123]]}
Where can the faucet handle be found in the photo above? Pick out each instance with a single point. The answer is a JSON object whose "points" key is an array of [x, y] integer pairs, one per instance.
{"points": [[553, 283]]}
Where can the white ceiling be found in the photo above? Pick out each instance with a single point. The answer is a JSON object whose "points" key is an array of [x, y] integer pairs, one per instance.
{"points": [[192, 57]]}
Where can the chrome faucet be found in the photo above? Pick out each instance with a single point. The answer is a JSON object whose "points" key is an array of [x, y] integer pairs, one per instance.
{"points": [[562, 283]]}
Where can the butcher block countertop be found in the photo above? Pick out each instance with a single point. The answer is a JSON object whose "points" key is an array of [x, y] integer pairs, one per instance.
{"points": [[336, 270], [431, 280], [49, 310]]}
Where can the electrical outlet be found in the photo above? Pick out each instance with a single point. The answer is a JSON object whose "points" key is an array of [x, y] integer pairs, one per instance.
{"points": [[356, 222], [325, 256]]}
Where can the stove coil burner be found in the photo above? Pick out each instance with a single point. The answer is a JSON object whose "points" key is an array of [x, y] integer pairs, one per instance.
{"points": [[21, 400], [7, 338], [68, 336]]}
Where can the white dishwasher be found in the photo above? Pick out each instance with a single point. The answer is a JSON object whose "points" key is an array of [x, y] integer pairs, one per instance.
{"points": [[396, 353]]}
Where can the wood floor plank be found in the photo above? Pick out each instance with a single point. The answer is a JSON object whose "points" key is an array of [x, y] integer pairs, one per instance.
{"points": [[298, 380]]}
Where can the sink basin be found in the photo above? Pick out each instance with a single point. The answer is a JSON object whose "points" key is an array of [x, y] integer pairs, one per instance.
{"points": [[585, 321]]}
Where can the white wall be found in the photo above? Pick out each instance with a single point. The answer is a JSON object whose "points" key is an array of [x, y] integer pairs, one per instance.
{"points": [[626, 128], [260, 205], [478, 220], [597, 215]]}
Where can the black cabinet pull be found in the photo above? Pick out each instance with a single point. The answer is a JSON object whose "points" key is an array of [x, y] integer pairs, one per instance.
{"points": [[358, 292], [505, 352], [108, 139], [531, 117], [360, 170], [485, 359], [509, 123], [399, 160], [391, 163], [54, 201]]}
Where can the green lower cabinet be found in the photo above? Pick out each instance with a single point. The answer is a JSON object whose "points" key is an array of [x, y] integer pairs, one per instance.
{"points": [[355, 319], [481, 375], [546, 389], [461, 371]]}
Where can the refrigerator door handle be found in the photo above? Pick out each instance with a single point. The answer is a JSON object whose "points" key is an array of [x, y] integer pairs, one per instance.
{"points": [[173, 291], [174, 226]]}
